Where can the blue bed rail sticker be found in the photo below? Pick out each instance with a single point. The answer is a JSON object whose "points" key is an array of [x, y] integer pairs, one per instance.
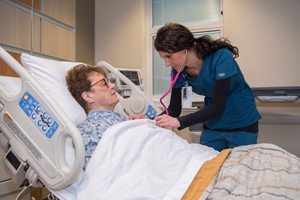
{"points": [[38, 115], [151, 112]]}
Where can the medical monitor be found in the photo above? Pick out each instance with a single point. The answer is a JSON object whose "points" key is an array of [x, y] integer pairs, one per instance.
{"points": [[134, 75]]}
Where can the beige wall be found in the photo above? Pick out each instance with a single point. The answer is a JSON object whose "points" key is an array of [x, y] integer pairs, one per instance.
{"points": [[120, 33], [85, 31], [266, 32]]}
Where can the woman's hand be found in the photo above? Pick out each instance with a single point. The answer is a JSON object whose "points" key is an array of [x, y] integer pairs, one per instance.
{"points": [[166, 121], [138, 116]]}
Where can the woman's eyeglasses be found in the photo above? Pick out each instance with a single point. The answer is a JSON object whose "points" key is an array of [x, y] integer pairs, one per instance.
{"points": [[106, 82]]}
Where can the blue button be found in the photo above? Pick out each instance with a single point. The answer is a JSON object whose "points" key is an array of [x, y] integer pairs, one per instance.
{"points": [[33, 116], [38, 108], [50, 120], [45, 115]]}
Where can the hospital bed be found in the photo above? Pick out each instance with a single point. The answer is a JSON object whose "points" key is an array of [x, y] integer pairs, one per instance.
{"points": [[134, 159]]}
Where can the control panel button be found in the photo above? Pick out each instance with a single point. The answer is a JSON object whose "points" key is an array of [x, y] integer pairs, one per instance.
{"points": [[33, 116]]}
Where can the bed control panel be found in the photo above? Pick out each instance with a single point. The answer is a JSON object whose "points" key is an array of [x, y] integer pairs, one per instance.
{"points": [[38, 115]]}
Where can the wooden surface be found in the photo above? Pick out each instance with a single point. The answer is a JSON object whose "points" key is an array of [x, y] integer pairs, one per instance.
{"points": [[36, 4], [5, 69]]}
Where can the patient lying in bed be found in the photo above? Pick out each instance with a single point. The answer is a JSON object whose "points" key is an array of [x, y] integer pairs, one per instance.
{"points": [[97, 96]]}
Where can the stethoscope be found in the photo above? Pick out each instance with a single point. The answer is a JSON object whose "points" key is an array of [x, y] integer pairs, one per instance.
{"points": [[173, 81]]}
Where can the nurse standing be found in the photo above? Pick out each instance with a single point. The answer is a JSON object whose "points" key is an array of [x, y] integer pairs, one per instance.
{"points": [[229, 115]]}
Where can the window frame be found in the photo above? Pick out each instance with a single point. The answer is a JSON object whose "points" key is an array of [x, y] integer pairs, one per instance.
{"points": [[151, 32]]}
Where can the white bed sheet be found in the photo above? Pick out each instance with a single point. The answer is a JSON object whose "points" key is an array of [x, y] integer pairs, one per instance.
{"points": [[138, 160]]}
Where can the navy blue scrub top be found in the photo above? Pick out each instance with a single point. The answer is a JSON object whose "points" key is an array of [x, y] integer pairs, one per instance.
{"points": [[240, 109]]}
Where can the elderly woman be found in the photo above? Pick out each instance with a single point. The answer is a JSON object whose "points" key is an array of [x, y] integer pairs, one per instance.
{"points": [[89, 86]]}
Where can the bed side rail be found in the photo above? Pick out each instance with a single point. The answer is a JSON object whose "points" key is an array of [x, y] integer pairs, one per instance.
{"points": [[34, 131], [138, 102]]}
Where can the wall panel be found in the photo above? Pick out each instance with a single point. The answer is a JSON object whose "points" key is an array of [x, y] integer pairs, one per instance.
{"points": [[16, 28], [36, 3], [61, 10], [53, 27], [57, 41]]}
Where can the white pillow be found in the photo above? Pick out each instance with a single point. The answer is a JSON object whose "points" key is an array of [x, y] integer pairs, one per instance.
{"points": [[51, 76]]}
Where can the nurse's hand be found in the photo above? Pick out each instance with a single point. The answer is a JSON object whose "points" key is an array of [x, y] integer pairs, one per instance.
{"points": [[138, 116], [166, 121]]}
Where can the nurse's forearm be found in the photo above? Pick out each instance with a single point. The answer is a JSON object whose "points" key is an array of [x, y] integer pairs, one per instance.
{"points": [[216, 107]]}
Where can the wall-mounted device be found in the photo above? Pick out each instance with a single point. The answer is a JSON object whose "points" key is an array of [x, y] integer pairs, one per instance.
{"points": [[277, 94]]}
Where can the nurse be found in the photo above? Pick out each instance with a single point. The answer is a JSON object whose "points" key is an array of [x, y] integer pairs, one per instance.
{"points": [[208, 67]]}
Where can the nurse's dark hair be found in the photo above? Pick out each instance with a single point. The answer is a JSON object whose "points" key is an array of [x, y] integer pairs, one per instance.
{"points": [[175, 37], [78, 81]]}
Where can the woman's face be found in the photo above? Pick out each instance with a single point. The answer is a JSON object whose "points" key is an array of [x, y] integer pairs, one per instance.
{"points": [[175, 60], [102, 93]]}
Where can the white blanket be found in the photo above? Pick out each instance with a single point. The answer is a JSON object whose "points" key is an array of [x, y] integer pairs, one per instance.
{"points": [[138, 160]]}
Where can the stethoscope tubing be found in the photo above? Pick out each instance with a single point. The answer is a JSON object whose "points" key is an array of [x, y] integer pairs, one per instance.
{"points": [[173, 81]]}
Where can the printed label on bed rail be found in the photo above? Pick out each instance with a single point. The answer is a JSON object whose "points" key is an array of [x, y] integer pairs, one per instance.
{"points": [[38, 115], [12, 125], [151, 112]]}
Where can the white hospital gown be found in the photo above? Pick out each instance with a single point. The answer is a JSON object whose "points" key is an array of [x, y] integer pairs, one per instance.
{"points": [[94, 126]]}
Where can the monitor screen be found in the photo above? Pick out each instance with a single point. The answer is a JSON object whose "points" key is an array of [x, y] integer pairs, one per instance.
{"points": [[14, 161], [131, 75]]}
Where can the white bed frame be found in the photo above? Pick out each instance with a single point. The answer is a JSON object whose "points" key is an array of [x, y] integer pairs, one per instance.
{"points": [[33, 153], [29, 149]]}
